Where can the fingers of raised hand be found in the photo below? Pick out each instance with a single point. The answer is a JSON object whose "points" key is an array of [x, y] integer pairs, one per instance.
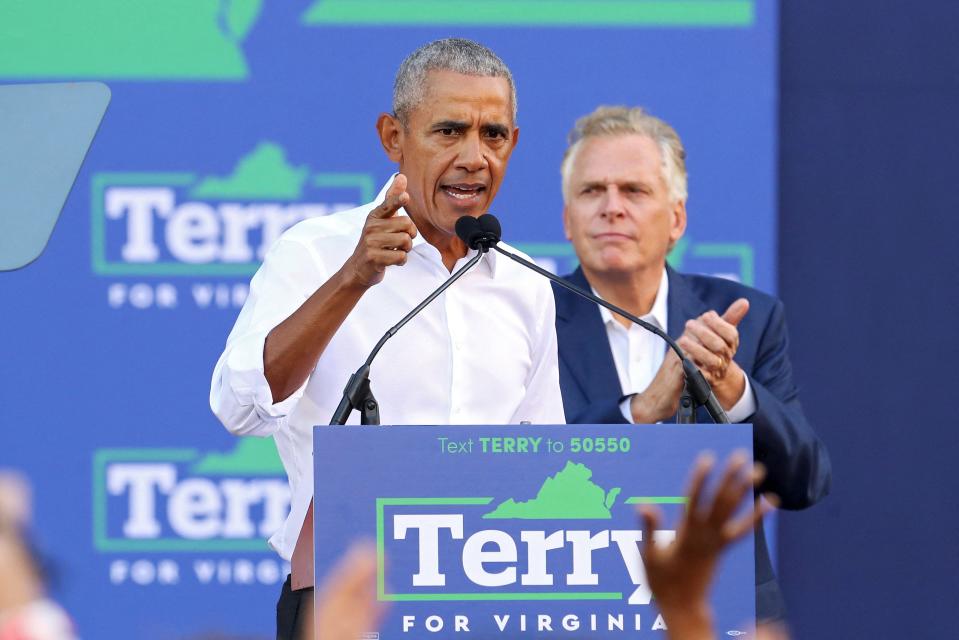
{"points": [[392, 241], [714, 365], [397, 224], [733, 485], [707, 336], [736, 529], [736, 311], [724, 330], [697, 481], [651, 519], [396, 197]]}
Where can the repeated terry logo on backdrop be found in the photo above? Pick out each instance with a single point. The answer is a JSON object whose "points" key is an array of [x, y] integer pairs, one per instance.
{"points": [[205, 226], [206, 513]]}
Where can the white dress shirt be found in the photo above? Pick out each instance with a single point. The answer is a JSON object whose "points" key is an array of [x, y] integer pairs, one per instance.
{"points": [[484, 352], [638, 354]]}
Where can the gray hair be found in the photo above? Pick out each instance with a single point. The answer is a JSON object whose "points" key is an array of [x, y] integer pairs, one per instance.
{"points": [[450, 54], [624, 121]]}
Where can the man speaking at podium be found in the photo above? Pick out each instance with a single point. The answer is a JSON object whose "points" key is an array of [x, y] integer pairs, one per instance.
{"points": [[482, 353], [624, 192]]}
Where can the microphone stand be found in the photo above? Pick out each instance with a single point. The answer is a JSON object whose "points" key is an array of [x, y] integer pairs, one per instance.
{"points": [[357, 394], [696, 391]]}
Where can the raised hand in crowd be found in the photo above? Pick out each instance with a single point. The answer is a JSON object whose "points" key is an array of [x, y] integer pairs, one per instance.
{"points": [[680, 574]]}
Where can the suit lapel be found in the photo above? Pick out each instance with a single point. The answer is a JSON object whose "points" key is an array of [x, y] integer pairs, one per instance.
{"points": [[682, 304], [586, 351]]}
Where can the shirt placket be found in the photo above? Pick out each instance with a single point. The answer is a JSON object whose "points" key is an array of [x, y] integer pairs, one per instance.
{"points": [[457, 328]]}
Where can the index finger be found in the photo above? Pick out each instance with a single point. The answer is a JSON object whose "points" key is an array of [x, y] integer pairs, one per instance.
{"points": [[396, 197]]}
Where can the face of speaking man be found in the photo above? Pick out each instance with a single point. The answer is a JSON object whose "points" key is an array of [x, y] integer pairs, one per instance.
{"points": [[619, 214], [453, 149]]}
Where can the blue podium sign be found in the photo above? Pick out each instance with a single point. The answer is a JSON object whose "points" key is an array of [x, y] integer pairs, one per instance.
{"points": [[517, 531]]}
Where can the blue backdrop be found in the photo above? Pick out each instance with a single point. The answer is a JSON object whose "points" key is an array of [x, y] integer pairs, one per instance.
{"points": [[231, 120], [869, 263]]}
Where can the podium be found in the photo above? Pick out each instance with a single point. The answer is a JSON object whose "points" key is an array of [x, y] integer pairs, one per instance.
{"points": [[520, 530]]}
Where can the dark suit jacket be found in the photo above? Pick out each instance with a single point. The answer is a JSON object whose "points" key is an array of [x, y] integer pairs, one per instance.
{"points": [[796, 460]]}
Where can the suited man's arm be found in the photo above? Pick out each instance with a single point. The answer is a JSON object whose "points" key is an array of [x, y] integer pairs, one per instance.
{"points": [[799, 471], [579, 410]]}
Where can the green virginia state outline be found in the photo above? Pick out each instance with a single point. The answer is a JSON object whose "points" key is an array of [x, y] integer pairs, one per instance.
{"points": [[126, 39], [262, 174], [568, 495]]}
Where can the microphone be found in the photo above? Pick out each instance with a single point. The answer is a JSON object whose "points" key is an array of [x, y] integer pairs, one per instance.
{"points": [[477, 236], [696, 383], [357, 394]]}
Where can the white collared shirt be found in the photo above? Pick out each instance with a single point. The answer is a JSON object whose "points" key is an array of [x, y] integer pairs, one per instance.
{"points": [[638, 355], [484, 352]]}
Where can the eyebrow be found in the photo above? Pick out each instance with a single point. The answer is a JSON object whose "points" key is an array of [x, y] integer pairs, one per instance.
{"points": [[459, 125], [455, 125], [605, 183]]}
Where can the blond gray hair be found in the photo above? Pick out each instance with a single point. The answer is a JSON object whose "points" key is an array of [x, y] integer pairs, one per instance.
{"points": [[450, 54], [624, 121]]}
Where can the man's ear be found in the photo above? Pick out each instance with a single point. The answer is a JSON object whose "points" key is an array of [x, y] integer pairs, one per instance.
{"points": [[391, 136], [515, 137], [678, 227], [569, 236]]}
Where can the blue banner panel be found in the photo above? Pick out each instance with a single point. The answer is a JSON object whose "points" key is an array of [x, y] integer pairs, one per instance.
{"points": [[230, 121], [521, 531]]}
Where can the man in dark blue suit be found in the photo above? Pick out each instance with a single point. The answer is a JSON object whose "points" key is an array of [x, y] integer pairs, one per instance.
{"points": [[624, 189]]}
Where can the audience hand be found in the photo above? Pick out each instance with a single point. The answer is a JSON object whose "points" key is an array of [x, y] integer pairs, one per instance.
{"points": [[346, 604], [681, 573]]}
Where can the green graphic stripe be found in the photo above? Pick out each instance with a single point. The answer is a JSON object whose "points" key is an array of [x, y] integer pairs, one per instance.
{"points": [[431, 501], [547, 249], [381, 544], [606, 13], [657, 500], [181, 545], [176, 269], [476, 597], [743, 252]]}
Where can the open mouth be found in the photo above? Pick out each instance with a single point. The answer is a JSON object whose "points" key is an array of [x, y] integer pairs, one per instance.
{"points": [[464, 192]]}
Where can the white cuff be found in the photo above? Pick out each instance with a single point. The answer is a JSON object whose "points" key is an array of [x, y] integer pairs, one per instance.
{"points": [[626, 408], [745, 406]]}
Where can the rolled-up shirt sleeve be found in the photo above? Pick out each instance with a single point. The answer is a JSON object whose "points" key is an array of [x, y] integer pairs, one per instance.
{"points": [[240, 395]]}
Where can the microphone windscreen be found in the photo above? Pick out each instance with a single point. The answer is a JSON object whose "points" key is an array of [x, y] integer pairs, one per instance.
{"points": [[468, 230], [490, 225]]}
